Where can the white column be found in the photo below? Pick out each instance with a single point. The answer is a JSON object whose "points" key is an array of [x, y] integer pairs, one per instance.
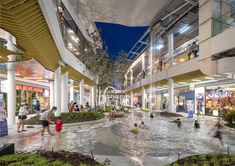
{"points": [[92, 97], [132, 99], [131, 76], [64, 92], [125, 81], [143, 62], [52, 103], [57, 89], [11, 90], [171, 105], [143, 98], [71, 91], [82, 92], [171, 47]]}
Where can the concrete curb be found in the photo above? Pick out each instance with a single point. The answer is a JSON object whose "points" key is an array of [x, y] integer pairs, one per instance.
{"points": [[229, 129]]}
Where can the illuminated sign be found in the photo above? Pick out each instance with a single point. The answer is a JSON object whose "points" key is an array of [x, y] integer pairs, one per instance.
{"points": [[28, 88], [220, 93]]}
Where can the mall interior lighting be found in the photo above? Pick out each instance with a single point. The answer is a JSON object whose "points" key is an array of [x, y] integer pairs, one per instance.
{"points": [[159, 46], [184, 29], [209, 78], [195, 80], [216, 75]]}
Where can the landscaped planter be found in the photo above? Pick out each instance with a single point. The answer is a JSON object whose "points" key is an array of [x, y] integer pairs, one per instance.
{"points": [[70, 117], [206, 160], [49, 158]]}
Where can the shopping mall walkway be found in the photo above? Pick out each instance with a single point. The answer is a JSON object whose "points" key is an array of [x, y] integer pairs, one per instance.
{"points": [[156, 145]]}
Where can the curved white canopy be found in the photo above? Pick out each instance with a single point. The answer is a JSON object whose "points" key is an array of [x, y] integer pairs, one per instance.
{"points": [[126, 12]]}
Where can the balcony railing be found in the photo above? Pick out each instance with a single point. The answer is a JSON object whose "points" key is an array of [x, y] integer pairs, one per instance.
{"points": [[71, 33], [181, 55]]}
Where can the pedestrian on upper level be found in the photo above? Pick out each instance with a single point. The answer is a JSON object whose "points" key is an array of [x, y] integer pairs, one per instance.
{"points": [[194, 49]]}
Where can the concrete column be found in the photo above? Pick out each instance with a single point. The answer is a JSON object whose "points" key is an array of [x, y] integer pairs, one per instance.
{"points": [[92, 102], [57, 89], [125, 81], [11, 90], [64, 92], [52, 103], [82, 92], [132, 99], [171, 47], [71, 91], [143, 96], [131, 77], [143, 62], [171, 105]]}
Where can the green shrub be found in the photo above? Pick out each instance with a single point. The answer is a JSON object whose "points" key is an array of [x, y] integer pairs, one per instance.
{"points": [[225, 160], [206, 163], [70, 117], [176, 164], [29, 159], [202, 157], [145, 110], [229, 117]]}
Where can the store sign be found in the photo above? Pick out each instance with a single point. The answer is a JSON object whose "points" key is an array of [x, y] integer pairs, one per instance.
{"points": [[28, 88], [220, 93]]}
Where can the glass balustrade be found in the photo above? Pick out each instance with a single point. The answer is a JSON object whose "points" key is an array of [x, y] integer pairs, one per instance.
{"points": [[223, 16]]}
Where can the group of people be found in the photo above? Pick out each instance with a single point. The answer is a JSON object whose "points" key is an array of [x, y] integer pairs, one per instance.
{"points": [[73, 107], [136, 127]]}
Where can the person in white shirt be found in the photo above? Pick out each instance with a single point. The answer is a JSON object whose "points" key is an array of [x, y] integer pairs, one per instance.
{"points": [[22, 116], [45, 120]]}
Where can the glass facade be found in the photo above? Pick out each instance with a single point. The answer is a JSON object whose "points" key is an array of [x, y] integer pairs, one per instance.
{"points": [[223, 15]]}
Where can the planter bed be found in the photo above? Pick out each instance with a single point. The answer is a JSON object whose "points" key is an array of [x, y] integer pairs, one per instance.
{"points": [[48, 158], [206, 160]]}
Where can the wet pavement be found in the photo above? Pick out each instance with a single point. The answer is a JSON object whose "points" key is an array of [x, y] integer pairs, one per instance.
{"points": [[158, 144]]}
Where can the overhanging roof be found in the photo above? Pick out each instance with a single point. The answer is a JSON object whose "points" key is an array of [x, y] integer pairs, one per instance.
{"points": [[24, 20], [126, 12]]}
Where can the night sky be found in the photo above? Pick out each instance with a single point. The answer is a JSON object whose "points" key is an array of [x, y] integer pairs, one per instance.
{"points": [[118, 37]]}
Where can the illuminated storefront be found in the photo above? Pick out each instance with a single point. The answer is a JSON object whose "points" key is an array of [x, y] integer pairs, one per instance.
{"points": [[219, 99], [30, 95]]}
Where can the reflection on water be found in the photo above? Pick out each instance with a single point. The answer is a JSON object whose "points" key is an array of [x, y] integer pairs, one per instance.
{"points": [[161, 138]]}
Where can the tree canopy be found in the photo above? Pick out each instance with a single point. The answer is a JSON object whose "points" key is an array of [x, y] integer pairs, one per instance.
{"points": [[107, 71]]}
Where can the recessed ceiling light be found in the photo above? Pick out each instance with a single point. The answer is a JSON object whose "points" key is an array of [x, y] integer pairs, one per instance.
{"points": [[184, 29], [216, 75], [209, 78], [182, 60], [195, 80], [159, 46]]}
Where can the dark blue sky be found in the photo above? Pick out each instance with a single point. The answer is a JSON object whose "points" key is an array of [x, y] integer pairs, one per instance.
{"points": [[118, 37]]}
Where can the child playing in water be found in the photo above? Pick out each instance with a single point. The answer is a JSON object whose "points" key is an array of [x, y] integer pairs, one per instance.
{"points": [[58, 126], [196, 125], [135, 129]]}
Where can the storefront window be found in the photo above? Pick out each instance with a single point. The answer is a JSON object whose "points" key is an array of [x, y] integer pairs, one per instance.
{"points": [[219, 99], [200, 100]]}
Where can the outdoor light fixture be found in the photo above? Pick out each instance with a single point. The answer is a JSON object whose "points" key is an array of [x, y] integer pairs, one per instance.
{"points": [[70, 45], [184, 29], [159, 46], [209, 78]]}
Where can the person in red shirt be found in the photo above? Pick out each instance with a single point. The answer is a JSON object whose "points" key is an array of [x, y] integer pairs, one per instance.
{"points": [[58, 126]]}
